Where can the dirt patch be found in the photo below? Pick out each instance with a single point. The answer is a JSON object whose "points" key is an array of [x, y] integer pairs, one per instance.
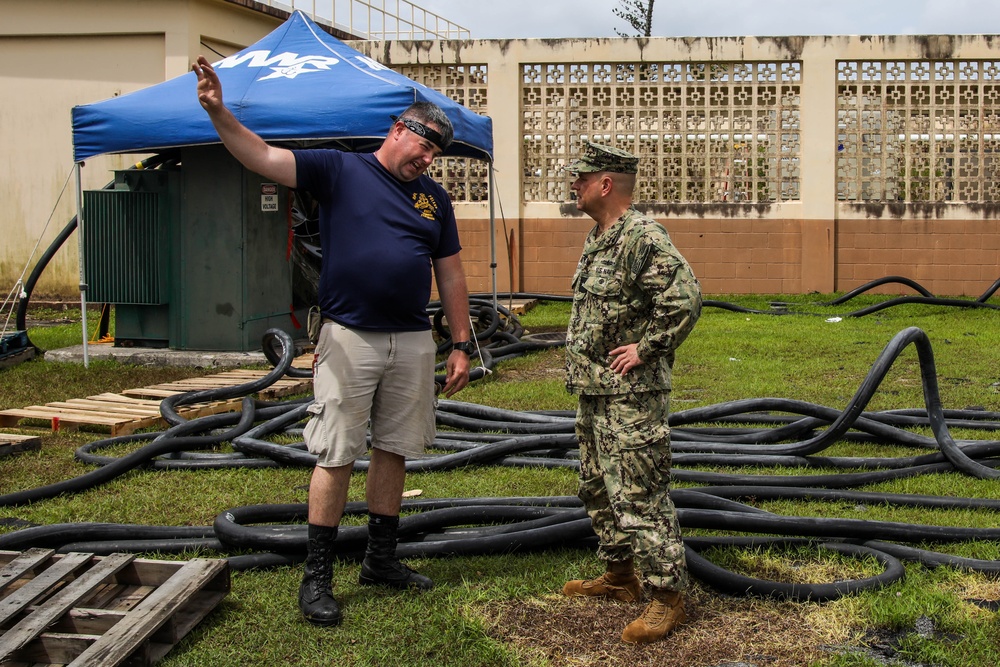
{"points": [[719, 631], [537, 365], [32, 323]]}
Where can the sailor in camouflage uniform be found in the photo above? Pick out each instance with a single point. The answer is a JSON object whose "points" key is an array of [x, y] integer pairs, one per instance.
{"points": [[635, 300]]}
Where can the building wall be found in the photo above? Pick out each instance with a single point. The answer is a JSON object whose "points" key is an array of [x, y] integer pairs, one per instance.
{"points": [[957, 253], [759, 256], [62, 53], [797, 164], [49, 74]]}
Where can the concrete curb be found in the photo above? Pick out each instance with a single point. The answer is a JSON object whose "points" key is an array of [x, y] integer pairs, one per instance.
{"points": [[141, 356]]}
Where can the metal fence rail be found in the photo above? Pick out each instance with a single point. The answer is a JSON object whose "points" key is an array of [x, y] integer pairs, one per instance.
{"points": [[377, 19]]}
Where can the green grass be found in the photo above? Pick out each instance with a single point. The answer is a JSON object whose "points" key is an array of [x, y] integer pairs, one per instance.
{"points": [[730, 356], [68, 332]]}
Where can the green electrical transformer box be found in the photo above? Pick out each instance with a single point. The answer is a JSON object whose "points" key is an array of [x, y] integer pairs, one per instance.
{"points": [[193, 256]]}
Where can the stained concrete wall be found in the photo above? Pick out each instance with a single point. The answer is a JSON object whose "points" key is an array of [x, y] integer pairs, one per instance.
{"points": [[822, 241], [64, 52]]}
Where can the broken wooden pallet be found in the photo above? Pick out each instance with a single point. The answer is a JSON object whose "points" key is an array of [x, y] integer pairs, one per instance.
{"points": [[11, 359], [15, 444], [518, 306], [84, 610]]}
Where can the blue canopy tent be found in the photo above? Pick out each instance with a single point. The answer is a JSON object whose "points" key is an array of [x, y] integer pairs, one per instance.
{"points": [[298, 86]]}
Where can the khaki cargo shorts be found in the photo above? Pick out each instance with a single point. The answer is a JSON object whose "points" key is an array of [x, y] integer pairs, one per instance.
{"points": [[376, 380]]}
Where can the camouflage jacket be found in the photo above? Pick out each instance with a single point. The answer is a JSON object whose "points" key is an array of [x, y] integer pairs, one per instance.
{"points": [[631, 286]]}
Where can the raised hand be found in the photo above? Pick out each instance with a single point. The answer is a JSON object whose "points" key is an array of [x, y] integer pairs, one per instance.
{"points": [[209, 86]]}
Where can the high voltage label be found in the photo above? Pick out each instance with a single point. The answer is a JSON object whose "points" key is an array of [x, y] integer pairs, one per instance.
{"points": [[268, 197]]}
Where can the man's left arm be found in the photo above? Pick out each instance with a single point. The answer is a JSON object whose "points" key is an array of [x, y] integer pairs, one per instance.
{"points": [[450, 278], [676, 297], [675, 307]]}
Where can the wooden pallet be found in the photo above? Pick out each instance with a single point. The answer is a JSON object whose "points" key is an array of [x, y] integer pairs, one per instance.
{"points": [[116, 412], [91, 611], [283, 387], [12, 359], [304, 360], [518, 306], [138, 408], [15, 444]]}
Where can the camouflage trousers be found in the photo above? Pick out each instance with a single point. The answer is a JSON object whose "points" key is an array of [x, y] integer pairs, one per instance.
{"points": [[625, 483]]}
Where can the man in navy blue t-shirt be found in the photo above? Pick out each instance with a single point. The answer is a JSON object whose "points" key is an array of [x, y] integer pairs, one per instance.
{"points": [[385, 228]]}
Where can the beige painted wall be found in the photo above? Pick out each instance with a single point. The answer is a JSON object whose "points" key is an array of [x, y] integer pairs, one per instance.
{"points": [[62, 53], [35, 130], [66, 52], [815, 243]]}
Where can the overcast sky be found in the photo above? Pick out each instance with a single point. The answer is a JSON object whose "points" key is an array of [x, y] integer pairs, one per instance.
{"points": [[488, 19]]}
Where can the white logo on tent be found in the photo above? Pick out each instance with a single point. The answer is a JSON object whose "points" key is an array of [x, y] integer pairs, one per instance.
{"points": [[290, 65], [374, 64], [284, 65]]}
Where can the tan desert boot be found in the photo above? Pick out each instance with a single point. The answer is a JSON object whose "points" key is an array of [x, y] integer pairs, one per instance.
{"points": [[618, 583], [661, 616]]}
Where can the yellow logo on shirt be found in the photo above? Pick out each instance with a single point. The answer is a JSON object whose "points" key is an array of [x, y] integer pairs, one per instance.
{"points": [[425, 204]]}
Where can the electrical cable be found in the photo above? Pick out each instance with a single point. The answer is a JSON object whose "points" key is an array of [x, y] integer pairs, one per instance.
{"points": [[734, 583], [492, 436], [925, 298]]}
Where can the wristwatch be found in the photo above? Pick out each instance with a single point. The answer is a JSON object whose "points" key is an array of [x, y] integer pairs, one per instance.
{"points": [[465, 346]]}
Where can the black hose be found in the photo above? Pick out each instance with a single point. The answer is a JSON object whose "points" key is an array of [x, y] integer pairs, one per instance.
{"points": [[274, 356], [867, 287], [562, 525], [925, 298], [934, 558], [774, 524], [929, 301], [863, 497], [36, 273], [184, 459], [163, 545], [734, 583], [59, 534], [483, 309], [492, 436], [169, 405], [116, 468]]}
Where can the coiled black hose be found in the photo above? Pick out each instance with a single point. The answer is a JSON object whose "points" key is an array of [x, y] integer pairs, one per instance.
{"points": [[475, 526], [169, 405], [535, 439], [925, 298], [734, 583]]}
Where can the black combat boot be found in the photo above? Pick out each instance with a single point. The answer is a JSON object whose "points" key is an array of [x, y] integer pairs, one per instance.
{"points": [[380, 566], [316, 591]]}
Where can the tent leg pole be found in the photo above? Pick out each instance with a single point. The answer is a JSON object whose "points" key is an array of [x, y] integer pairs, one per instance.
{"points": [[83, 274], [493, 238]]}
